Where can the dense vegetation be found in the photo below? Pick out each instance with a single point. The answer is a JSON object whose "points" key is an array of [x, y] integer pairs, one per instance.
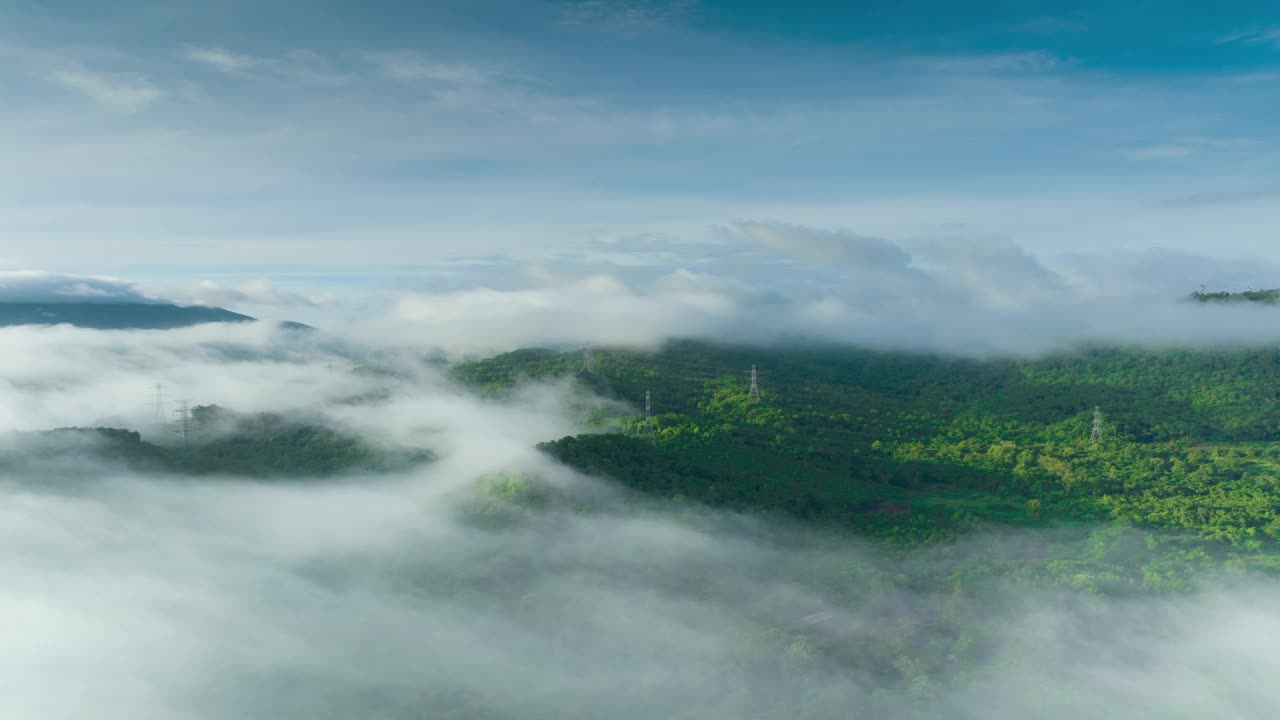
{"points": [[916, 448], [1267, 297]]}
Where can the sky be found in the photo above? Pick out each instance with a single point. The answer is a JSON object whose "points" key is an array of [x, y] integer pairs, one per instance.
{"points": [[307, 148]]}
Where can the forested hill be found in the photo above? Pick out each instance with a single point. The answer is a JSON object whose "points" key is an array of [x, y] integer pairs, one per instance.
{"points": [[217, 442], [913, 446], [113, 315], [1266, 297]]}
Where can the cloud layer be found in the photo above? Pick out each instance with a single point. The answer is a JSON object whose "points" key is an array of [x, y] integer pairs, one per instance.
{"points": [[774, 282], [153, 597], [38, 286]]}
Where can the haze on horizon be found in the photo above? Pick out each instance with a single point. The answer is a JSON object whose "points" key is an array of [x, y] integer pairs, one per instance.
{"points": [[290, 153]]}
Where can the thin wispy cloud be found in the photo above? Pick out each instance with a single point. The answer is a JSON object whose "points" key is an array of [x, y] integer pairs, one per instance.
{"points": [[221, 59], [1051, 25], [411, 66], [626, 15], [1186, 147], [125, 92], [996, 63], [1264, 36], [299, 68]]}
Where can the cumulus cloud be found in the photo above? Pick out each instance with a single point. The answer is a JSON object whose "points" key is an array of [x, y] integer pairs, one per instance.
{"points": [[38, 286], [600, 307], [771, 282], [255, 292]]}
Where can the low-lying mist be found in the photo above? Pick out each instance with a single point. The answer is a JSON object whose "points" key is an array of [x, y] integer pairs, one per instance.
{"points": [[444, 592], [399, 597]]}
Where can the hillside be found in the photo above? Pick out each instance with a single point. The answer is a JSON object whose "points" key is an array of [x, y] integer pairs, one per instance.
{"points": [[114, 316], [916, 448], [220, 442], [1265, 297]]}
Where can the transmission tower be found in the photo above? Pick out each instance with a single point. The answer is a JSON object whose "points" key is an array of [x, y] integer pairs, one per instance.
{"points": [[184, 421], [159, 419], [1097, 423], [648, 412], [755, 385], [588, 361]]}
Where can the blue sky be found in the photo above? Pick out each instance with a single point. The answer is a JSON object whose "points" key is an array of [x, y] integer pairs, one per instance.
{"points": [[342, 140]]}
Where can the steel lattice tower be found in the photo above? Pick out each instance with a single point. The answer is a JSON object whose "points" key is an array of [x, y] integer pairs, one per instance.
{"points": [[184, 421], [755, 385], [159, 404]]}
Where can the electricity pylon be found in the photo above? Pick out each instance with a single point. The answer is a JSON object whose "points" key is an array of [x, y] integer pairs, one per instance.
{"points": [[184, 421], [159, 419]]}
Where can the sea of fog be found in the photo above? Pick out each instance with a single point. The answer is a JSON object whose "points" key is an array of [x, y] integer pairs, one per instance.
{"points": [[414, 595]]}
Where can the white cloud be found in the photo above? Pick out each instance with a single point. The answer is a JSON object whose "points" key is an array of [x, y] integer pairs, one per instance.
{"points": [[599, 308], [626, 15], [975, 297], [1186, 147], [993, 63], [825, 246], [39, 286], [298, 68], [253, 292], [221, 59], [1264, 36], [411, 66], [126, 92]]}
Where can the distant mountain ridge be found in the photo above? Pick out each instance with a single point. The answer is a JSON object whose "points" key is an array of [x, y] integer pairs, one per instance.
{"points": [[115, 315], [1266, 297]]}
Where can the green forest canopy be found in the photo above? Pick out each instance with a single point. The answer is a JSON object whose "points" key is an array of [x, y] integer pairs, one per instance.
{"points": [[913, 446]]}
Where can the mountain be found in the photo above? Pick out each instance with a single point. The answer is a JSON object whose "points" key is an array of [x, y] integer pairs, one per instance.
{"points": [[114, 316]]}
